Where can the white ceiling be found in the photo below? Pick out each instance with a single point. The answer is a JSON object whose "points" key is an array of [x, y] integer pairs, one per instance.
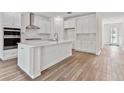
{"points": [[63, 14]]}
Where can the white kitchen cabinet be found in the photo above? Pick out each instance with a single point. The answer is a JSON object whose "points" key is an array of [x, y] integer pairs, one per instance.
{"points": [[48, 27], [70, 34], [87, 24], [17, 19], [82, 25], [11, 19], [86, 43], [43, 23], [77, 45], [69, 23], [8, 54], [44, 27], [92, 24], [7, 19], [24, 21], [86, 33]]}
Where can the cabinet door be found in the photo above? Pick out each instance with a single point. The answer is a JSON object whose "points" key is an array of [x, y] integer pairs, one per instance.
{"points": [[24, 21], [69, 24], [92, 24], [22, 57], [9, 54], [48, 27], [37, 20], [78, 45], [43, 24], [8, 19], [82, 25], [65, 24], [12, 19], [17, 19]]}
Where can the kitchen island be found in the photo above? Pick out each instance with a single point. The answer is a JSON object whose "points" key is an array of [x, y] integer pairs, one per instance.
{"points": [[34, 57]]}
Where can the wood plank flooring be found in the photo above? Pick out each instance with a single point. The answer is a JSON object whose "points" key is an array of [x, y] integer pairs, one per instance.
{"points": [[79, 67]]}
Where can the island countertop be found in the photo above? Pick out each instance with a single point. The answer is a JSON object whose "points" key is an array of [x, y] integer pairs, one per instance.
{"points": [[43, 43]]}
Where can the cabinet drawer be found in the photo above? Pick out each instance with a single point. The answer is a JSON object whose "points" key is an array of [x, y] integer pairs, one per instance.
{"points": [[8, 54]]}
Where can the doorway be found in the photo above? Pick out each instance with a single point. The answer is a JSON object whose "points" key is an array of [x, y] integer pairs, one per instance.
{"points": [[111, 34], [114, 36]]}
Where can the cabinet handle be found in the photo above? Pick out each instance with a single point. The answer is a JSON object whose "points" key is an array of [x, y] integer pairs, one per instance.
{"points": [[22, 48]]}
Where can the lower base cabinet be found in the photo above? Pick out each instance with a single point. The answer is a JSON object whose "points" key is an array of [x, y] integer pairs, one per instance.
{"points": [[8, 54]]}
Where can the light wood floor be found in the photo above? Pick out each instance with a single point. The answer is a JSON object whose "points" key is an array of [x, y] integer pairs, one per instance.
{"points": [[80, 66]]}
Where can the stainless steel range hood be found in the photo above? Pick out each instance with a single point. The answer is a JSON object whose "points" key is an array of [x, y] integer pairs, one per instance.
{"points": [[31, 22]]}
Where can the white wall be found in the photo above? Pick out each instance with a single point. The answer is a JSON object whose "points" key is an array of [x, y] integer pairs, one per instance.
{"points": [[121, 35], [99, 37], [107, 34]]}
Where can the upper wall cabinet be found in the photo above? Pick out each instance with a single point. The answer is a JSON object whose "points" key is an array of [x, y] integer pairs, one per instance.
{"points": [[7, 19], [11, 19], [43, 23], [82, 25], [17, 19], [92, 24], [87, 24], [24, 21], [70, 23]]}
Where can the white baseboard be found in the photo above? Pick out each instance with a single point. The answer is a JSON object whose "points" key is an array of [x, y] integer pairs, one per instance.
{"points": [[35, 76], [32, 76], [88, 51]]}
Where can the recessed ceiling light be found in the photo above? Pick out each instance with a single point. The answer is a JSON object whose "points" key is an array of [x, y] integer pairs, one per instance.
{"points": [[69, 12]]}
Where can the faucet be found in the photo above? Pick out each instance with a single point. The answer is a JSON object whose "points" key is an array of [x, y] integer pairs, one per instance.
{"points": [[56, 36]]}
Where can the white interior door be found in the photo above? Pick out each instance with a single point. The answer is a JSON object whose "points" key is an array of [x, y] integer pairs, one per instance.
{"points": [[114, 36]]}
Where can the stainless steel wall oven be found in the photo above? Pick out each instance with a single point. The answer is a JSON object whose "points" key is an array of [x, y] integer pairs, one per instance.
{"points": [[11, 37]]}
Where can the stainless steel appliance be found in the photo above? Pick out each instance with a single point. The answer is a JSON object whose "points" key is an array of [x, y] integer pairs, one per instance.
{"points": [[31, 22], [11, 37]]}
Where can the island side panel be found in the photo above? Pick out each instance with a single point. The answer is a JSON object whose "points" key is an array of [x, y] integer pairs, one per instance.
{"points": [[55, 53], [29, 59], [35, 59]]}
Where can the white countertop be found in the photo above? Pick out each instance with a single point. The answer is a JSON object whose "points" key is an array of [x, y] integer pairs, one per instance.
{"points": [[43, 43]]}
